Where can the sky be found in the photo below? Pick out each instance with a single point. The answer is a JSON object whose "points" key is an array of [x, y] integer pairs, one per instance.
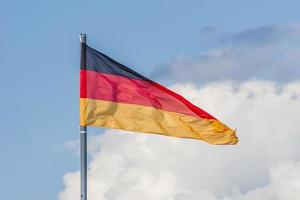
{"points": [[238, 60]]}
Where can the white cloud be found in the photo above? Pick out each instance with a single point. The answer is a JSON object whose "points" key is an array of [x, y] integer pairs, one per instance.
{"points": [[284, 184], [265, 165], [264, 53]]}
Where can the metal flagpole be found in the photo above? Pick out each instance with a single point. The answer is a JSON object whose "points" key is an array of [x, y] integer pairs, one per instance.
{"points": [[83, 131]]}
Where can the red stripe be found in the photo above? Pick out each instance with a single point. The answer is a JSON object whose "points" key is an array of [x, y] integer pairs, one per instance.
{"points": [[121, 89]]}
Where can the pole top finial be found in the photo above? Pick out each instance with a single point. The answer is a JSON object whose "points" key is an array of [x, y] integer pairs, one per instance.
{"points": [[82, 38]]}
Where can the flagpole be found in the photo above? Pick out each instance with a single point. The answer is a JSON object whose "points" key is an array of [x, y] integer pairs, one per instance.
{"points": [[83, 131]]}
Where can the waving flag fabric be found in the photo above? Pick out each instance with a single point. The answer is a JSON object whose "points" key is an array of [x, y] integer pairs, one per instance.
{"points": [[114, 96]]}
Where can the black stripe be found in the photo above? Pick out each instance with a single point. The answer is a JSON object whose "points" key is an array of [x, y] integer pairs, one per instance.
{"points": [[97, 61]]}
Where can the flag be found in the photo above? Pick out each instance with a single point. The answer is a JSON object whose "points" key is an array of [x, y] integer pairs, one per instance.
{"points": [[114, 96]]}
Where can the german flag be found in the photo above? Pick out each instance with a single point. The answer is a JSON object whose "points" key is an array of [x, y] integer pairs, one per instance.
{"points": [[114, 96]]}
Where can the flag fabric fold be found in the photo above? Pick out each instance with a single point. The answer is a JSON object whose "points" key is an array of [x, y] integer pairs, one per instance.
{"points": [[114, 96]]}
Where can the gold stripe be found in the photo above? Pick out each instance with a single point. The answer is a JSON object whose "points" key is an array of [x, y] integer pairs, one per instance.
{"points": [[146, 119]]}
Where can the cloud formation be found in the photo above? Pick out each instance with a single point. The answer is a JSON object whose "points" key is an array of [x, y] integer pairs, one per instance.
{"points": [[265, 165], [265, 53]]}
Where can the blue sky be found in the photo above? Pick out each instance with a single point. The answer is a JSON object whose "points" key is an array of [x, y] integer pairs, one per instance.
{"points": [[40, 68]]}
